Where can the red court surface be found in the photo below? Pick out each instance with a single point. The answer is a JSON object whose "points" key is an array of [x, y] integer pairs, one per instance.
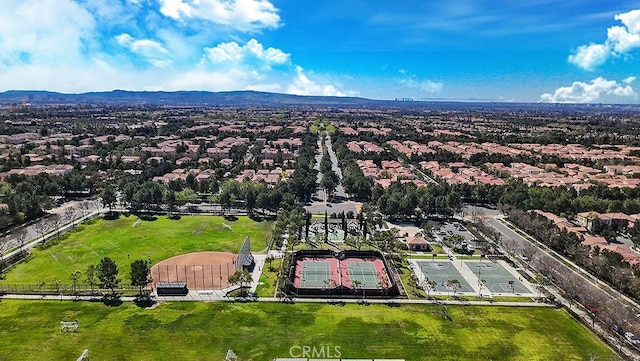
{"points": [[331, 273]]}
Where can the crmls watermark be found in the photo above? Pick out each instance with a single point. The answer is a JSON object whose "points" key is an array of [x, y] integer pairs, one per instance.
{"points": [[324, 351]]}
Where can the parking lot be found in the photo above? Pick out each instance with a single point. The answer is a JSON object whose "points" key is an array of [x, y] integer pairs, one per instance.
{"points": [[451, 228]]}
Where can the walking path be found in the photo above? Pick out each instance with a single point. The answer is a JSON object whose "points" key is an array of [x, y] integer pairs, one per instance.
{"points": [[219, 295]]}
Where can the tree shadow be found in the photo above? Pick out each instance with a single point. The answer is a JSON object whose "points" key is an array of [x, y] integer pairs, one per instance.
{"points": [[112, 300], [147, 217], [145, 301], [111, 216]]}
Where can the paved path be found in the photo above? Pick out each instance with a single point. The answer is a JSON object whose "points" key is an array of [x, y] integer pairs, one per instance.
{"points": [[219, 295], [34, 238]]}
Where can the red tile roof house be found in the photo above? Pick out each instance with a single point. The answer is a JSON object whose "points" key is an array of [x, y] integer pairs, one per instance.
{"points": [[592, 219], [616, 220], [417, 243], [627, 256], [593, 241]]}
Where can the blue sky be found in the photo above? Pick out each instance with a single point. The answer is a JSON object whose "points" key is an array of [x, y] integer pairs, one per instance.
{"points": [[529, 51]]}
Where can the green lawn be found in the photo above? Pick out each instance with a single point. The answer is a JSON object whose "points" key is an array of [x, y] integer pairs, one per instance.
{"points": [[263, 331], [128, 238], [268, 279]]}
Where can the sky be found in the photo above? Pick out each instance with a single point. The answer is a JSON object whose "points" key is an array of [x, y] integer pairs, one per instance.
{"points": [[570, 51]]}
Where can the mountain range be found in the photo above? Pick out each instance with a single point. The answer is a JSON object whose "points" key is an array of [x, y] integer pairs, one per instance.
{"points": [[255, 98]]}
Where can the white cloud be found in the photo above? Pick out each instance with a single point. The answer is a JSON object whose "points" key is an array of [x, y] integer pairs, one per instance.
{"points": [[231, 52], [580, 92], [302, 85], [590, 56], [629, 80], [91, 45], [152, 51], [620, 40], [244, 15], [424, 86], [33, 31]]}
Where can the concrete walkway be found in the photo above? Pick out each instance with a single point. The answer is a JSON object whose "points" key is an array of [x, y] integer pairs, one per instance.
{"points": [[219, 295]]}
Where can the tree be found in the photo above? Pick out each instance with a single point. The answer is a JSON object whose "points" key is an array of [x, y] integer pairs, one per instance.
{"points": [[355, 286], [354, 242], [329, 284], [453, 285], [107, 272], [329, 182], [387, 240], [21, 238], [429, 286], [108, 197], [270, 258], [185, 196], [241, 278], [90, 276], [74, 277], [140, 275], [69, 215], [56, 222], [41, 227]]}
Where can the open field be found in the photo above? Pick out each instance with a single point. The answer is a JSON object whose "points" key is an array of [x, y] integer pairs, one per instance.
{"points": [[263, 331], [128, 238]]}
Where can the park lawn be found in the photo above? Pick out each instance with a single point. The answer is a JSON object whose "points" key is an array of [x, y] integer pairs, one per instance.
{"points": [[263, 331], [269, 279], [128, 238]]}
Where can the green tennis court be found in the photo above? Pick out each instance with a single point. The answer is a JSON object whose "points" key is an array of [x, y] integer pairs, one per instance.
{"points": [[497, 278], [441, 272], [315, 274], [363, 272]]}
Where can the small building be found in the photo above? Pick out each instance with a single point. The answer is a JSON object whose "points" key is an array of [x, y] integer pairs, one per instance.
{"points": [[417, 243]]}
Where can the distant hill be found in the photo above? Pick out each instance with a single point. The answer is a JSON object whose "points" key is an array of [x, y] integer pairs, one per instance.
{"points": [[254, 98], [232, 98]]}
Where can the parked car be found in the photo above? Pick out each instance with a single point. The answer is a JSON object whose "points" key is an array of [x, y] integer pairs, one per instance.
{"points": [[631, 338]]}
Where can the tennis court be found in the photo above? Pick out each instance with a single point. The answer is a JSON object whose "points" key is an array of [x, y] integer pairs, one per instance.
{"points": [[315, 274], [348, 273], [363, 272], [441, 271], [497, 278]]}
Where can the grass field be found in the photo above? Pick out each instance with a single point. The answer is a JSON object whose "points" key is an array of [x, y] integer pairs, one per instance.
{"points": [[263, 331], [268, 279], [128, 238]]}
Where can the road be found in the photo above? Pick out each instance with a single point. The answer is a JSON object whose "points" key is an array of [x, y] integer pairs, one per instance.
{"points": [[420, 173], [321, 204], [56, 217], [339, 192], [563, 271]]}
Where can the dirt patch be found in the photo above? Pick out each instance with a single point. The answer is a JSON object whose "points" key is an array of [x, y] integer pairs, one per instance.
{"points": [[201, 270]]}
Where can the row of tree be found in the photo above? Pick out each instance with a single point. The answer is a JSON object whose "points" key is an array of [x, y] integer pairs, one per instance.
{"points": [[606, 265], [406, 200], [105, 275]]}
